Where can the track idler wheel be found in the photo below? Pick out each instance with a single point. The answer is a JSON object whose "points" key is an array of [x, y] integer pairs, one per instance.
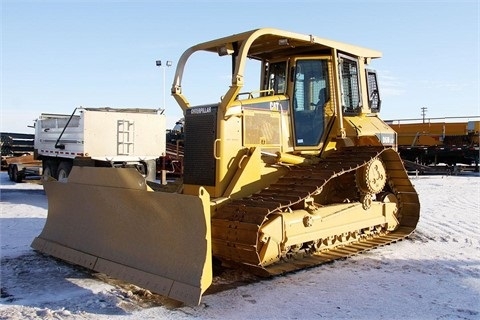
{"points": [[366, 199]]}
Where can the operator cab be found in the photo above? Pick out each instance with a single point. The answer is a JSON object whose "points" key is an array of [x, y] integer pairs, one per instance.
{"points": [[309, 83]]}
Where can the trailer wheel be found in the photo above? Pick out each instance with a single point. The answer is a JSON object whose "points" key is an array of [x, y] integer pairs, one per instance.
{"points": [[10, 175], [64, 170], [16, 176], [49, 169]]}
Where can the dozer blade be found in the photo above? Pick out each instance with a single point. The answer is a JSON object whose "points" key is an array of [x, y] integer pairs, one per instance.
{"points": [[108, 220]]}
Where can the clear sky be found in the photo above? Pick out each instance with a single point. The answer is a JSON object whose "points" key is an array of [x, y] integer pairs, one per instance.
{"points": [[59, 55]]}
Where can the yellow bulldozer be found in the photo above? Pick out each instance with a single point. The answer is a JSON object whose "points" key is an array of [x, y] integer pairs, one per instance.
{"points": [[296, 173]]}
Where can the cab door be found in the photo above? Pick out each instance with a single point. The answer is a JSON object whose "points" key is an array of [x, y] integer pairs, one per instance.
{"points": [[312, 106]]}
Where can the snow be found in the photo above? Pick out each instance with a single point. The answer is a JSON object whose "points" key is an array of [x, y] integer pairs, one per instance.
{"points": [[434, 274]]}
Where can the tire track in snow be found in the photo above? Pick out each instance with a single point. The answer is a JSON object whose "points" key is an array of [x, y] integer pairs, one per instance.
{"points": [[452, 195]]}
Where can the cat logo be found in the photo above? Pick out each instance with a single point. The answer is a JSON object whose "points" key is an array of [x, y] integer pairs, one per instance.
{"points": [[275, 106]]}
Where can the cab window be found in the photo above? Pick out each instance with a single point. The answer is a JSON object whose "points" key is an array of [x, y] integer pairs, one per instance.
{"points": [[349, 82], [277, 77]]}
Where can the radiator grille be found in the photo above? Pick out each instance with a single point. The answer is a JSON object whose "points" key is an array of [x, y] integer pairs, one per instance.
{"points": [[200, 134]]}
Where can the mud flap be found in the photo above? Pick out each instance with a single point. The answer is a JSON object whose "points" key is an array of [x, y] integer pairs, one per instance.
{"points": [[108, 220]]}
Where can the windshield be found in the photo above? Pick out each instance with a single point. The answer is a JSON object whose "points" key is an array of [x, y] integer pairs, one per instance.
{"points": [[311, 92]]}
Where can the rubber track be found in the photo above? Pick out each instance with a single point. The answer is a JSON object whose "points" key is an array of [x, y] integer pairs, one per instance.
{"points": [[235, 226]]}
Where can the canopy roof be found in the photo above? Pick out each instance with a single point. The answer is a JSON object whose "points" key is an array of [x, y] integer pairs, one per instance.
{"points": [[267, 42]]}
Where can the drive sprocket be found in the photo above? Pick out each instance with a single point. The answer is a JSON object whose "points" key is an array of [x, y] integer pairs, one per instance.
{"points": [[372, 177]]}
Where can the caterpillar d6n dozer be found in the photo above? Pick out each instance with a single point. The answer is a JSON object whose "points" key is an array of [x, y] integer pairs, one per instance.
{"points": [[298, 172]]}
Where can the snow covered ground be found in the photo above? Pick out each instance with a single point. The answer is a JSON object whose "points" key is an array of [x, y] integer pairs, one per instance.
{"points": [[434, 274]]}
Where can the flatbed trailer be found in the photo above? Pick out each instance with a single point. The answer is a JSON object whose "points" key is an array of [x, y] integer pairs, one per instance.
{"points": [[23, 166]]}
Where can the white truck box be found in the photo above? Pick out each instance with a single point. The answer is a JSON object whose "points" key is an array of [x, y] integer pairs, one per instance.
{"points": [[106, 134]]}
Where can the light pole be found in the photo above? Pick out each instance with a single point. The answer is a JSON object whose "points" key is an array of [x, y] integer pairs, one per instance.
{"points": [[424, 113], [168, 63]]}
